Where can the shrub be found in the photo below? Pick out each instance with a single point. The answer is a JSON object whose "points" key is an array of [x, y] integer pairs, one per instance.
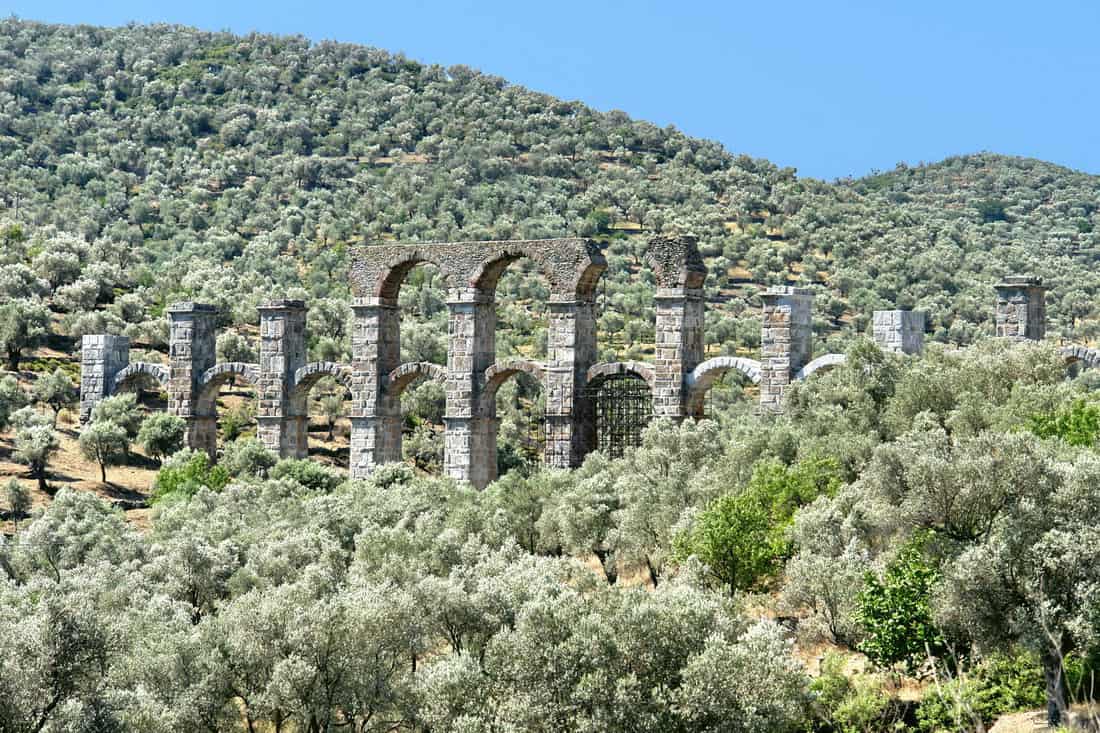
{"points": [[856, 704], [310, 474], [1077, 424], [236, 419], [184, 473], [1001, 684], [742, 537], [247, 457]]}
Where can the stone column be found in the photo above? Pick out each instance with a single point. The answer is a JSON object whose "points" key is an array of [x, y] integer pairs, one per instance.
{"points": [[786, 341], [1021, 308], [282, 353], [375, 417], [190, 353], [101, 358], [570, 413], [901, 332], [470, 441], [678, 348]]}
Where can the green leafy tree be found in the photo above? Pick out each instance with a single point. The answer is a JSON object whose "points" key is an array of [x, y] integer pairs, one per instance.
{"points": [[187, 472], [1077, 423], [896, 611], [743, 537]]}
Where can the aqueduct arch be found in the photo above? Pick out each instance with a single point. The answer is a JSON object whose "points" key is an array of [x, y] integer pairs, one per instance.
{"points": [[677, 380]]}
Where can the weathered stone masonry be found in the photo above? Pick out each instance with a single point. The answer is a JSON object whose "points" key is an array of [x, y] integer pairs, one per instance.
{"points": [[678, 378]]}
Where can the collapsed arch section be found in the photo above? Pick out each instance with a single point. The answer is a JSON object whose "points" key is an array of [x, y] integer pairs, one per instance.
{"points": [[820, 364], [213, 378], [138, 371]]}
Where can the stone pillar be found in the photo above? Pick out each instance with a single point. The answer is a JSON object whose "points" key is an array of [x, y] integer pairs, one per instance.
{"points": [[375, 417], [570, 413], [470, 441], [282, 353], [190, 354], [678, 346], [786, 341], [1021, 308], [901, 332], [101, 358]]}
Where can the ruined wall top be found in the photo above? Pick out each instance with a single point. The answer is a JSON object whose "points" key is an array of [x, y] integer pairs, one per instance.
{"points": [[676, 262], [572, 266], [190, 306], [1019, 281]]}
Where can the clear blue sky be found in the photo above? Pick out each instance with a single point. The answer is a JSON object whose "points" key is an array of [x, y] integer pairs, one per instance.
{"points": [[830, 87]]}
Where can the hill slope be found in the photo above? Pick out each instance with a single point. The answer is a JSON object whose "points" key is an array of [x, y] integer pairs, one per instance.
{"points": [[229, 168]]}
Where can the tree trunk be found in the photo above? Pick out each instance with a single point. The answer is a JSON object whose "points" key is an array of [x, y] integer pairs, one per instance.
{"points": [[103, 472], [1057, 694], [609, 569], [653, 572], [40, 474], [13, 360]]}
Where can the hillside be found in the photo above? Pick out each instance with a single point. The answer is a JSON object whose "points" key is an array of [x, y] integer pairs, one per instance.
{"points": [[176, 152]]}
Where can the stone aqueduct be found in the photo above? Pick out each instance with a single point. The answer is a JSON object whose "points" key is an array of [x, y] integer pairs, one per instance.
{"points": [[678, 377]]}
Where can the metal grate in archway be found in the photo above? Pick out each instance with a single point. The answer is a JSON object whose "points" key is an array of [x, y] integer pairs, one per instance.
{"points": [[624, 407]]}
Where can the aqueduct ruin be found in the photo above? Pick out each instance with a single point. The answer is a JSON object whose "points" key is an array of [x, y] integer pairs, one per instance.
{"points": [[673, 385]]}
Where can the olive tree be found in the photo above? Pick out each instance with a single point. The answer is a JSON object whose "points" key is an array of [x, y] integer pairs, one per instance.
{"points": [[12, 398], [56, 390], [105, 443], [24, 324], [1034, 577], [162, 434], [34, 444], [17, 499]]}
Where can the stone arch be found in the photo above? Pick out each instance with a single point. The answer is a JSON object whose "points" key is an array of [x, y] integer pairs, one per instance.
{"points": [[485, 278], [821, 363], [1086, 357], [404, 375], [393, 273], [703, 377], [603, 371], [307, 376], [214, 377], [500, 372], [141, 370]]}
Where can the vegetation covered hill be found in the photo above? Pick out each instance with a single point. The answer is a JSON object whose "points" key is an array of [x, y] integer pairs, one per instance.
{"points": [[228, 168]]}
